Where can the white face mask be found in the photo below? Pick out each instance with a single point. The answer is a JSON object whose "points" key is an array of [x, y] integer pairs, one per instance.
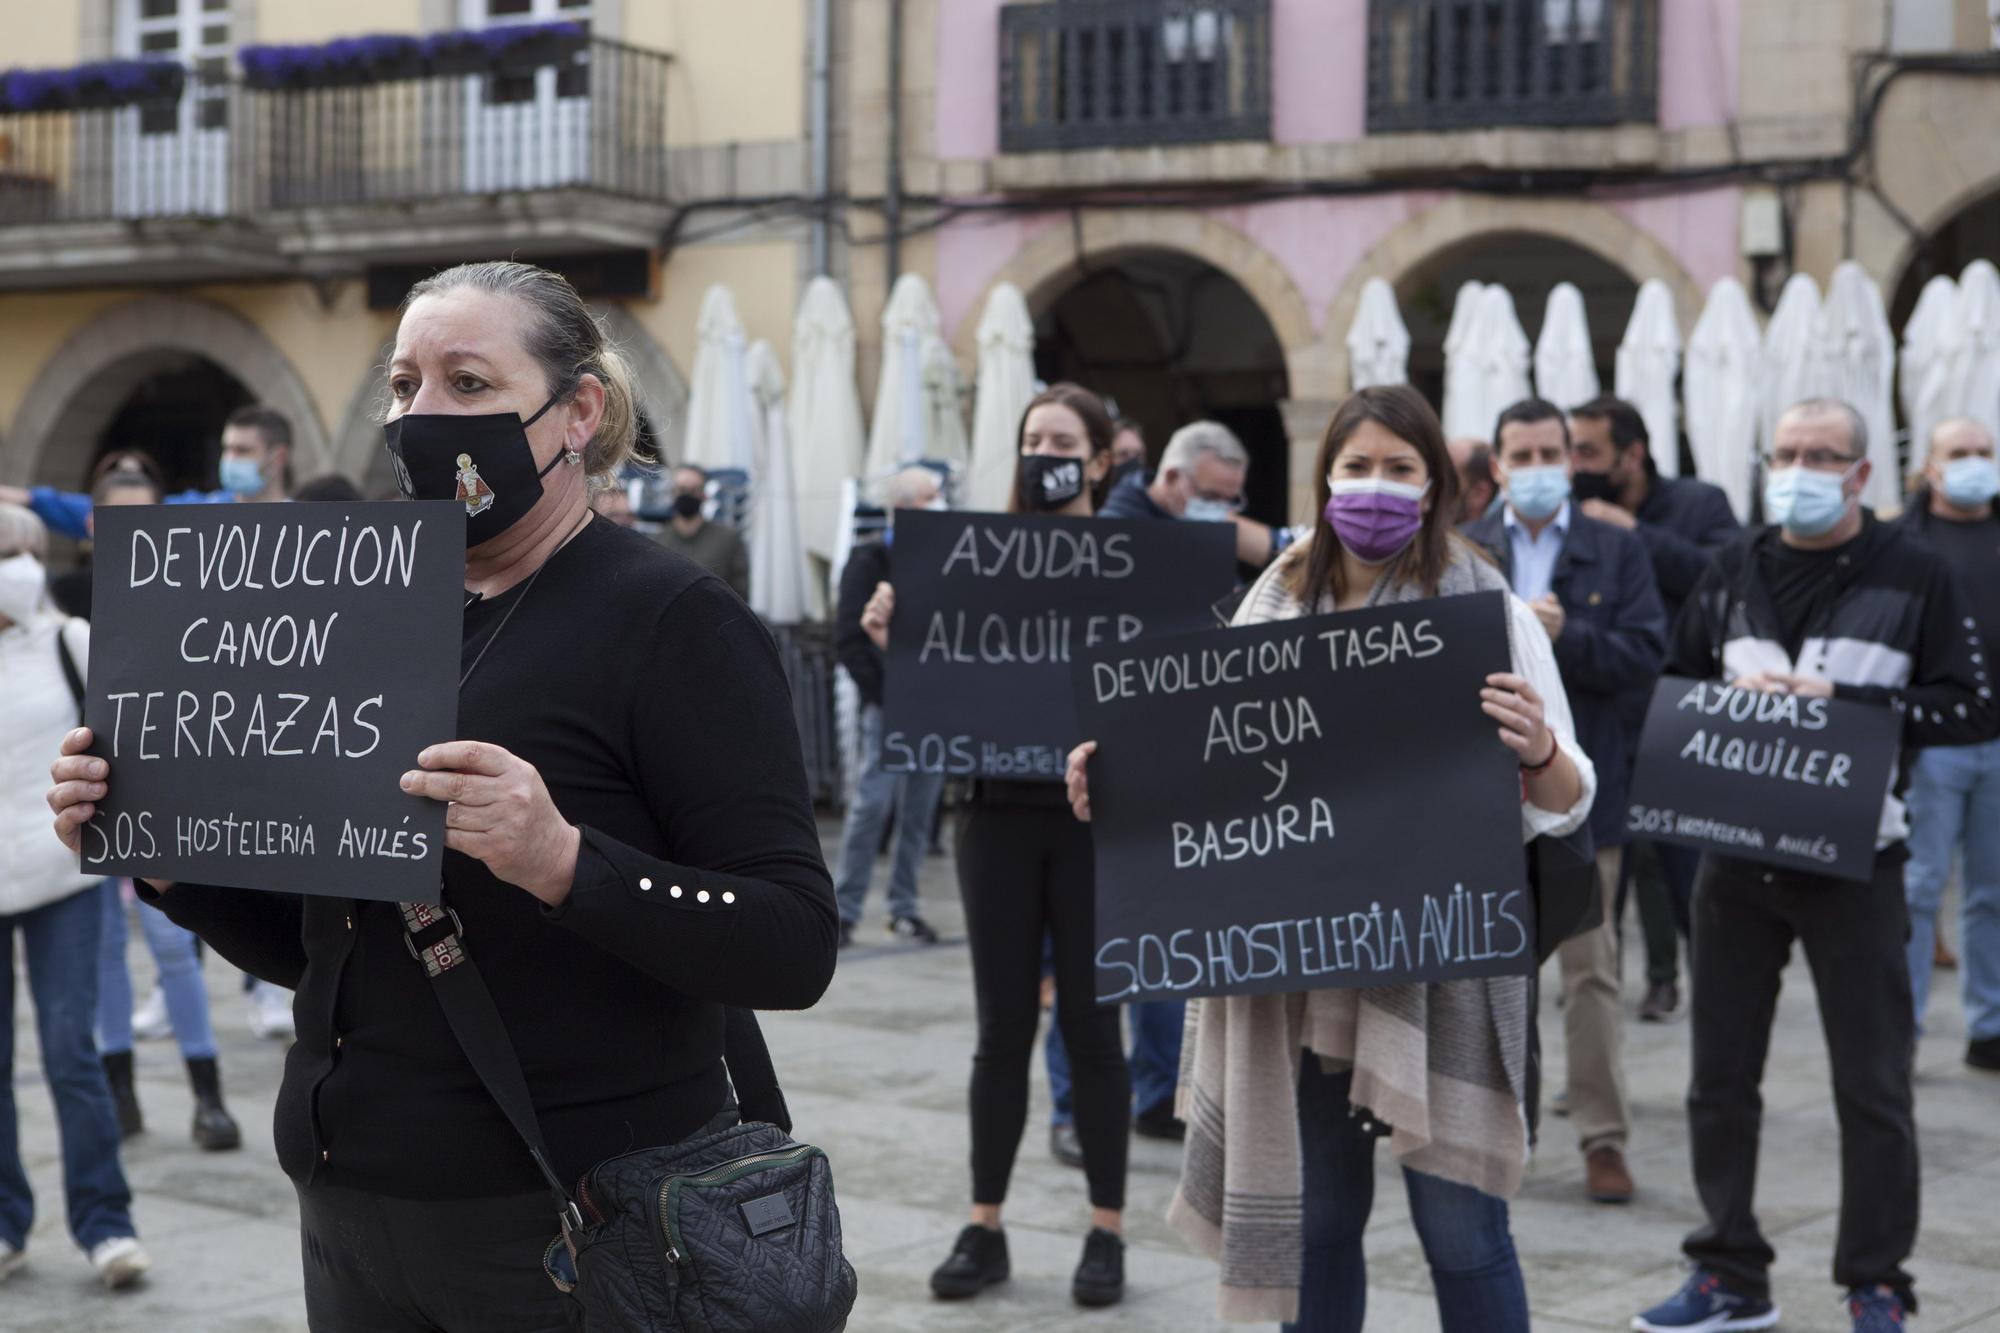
{"points": [[937, 505], [21, 584]]}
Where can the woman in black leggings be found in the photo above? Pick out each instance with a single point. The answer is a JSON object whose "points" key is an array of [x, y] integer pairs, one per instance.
{"points": [[1025, 873]]}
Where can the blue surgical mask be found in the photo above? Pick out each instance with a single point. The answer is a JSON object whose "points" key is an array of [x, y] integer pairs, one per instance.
{"points": [[1971, 482], [1201, 509], [242, 476], [1804, 502], [1537, 492]]}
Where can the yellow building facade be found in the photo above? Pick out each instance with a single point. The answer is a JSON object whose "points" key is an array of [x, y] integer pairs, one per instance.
{"points": [[246, 239]]}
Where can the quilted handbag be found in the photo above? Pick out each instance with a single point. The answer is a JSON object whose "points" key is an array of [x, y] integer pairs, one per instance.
{"points": [[734, 1230]]}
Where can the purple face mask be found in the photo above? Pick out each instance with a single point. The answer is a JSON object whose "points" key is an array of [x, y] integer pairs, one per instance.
{"points": [[1375, 519]]}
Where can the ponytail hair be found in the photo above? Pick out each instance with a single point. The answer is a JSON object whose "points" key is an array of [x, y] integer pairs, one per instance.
{"points": [[567, 340]]}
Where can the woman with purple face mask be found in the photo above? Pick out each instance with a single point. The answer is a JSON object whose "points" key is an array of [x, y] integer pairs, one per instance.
{"points": [[1438, 1069]]}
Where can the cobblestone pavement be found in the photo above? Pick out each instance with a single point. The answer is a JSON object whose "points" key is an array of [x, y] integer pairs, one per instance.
{"points": [[877, 1075]]}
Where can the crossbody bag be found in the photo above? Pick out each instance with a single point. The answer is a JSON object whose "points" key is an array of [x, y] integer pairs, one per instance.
{"points": [[733, 1230]]}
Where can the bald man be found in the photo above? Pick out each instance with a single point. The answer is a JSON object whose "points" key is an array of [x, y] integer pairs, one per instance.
{"points": [[1955, 793], [1476, 487]]}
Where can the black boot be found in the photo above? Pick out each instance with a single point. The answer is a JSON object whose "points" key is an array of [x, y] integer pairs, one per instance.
{"points": [[118, 1073], [214, 1129]]}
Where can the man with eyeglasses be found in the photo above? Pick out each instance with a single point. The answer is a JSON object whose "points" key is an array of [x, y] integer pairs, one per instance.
{"points": [[1955, 792], [1200, 477], [1826, 602]]}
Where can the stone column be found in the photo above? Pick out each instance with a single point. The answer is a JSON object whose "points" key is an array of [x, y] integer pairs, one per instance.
{"points": [[1305, 426]]}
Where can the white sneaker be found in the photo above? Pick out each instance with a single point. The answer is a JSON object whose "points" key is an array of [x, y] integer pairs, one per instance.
{"points": [[119, 1261], [149, 1020], [271, 1012], [12, 1260]]}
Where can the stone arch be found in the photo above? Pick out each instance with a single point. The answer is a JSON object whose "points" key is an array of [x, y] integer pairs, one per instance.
{"points": [[662, 389], [1049, 263], [83, 383], [1463, 220]]}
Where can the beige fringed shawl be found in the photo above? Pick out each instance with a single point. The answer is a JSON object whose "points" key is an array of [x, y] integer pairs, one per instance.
{"points": [[1444, 1064]]}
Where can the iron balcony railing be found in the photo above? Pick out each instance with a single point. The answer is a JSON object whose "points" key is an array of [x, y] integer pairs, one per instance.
{"points": [[1124, 73], [222, 149], [1461, 64]]}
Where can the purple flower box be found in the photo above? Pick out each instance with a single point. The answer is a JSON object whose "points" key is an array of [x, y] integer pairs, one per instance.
{"points": [[95, 86], [342, 63], [385, 57]]}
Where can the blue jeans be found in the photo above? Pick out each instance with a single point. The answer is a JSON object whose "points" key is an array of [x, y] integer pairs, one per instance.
{"points": [[913, 797], [60, 942], [1155, 1062], [1464, 1232], [180, 979], [1954, 800]]}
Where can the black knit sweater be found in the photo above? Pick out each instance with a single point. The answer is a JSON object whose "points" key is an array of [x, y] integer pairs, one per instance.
{"points": [[653, 704]]}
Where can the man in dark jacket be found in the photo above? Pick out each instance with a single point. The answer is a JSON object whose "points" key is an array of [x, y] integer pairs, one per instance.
{"points": [[1828, 603], [911, 797], [1955, 791], [1592, 587], [1683, 523]]}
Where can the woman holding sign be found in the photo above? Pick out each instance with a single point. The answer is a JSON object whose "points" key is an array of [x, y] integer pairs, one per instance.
{"points": [[1026, 875], [1440, 1068], [631, 847]]}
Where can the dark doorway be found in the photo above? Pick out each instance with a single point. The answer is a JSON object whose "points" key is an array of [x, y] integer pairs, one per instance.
{"points": [[1528, 266], [175, 413], [1170, 339], [1974, 233]]}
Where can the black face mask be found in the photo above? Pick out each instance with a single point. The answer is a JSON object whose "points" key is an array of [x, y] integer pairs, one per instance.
{"points": [[482, 460], [1048, 482], [687, 505], [1593, 486], [1129, 468]]}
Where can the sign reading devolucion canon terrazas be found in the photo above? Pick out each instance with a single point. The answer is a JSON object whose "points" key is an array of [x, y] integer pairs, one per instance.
{"points": [[260, 677], [1777, 778], [1305, 804], [992, 609]]}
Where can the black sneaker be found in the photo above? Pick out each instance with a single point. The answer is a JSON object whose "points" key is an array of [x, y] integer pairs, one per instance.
{"points": [[1662, 1003], [1159, 1124], [977, 1261], [913, 928], [1100, 1275], [846, 933], [1064, 1146], [1984, 1054]]}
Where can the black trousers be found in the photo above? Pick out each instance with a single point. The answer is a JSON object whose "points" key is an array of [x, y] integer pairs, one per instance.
{"points": [[374, 1264], [1745, 919], [1025, 873]]}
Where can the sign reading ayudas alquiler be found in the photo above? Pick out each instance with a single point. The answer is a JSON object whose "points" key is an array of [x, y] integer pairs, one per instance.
{"points": [[991, 609], [1310, 803], [1777, 778], [260, 677]]}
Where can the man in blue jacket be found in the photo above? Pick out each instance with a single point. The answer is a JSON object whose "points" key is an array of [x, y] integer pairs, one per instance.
{"points": [[1683, 523], [1592, 587]]}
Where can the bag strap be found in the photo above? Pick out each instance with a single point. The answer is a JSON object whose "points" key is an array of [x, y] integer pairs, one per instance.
{"points": [[70, 673], [434, 940], [750, 1071]]}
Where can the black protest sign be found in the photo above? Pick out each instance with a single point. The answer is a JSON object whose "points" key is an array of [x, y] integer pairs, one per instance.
{"points": [[991, 610], [261, 675], [1306, 804], [1777, 778]]}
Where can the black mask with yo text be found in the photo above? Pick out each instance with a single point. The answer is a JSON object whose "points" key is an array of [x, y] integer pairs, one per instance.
{"points": [[484, 461], [1049, 482]]}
